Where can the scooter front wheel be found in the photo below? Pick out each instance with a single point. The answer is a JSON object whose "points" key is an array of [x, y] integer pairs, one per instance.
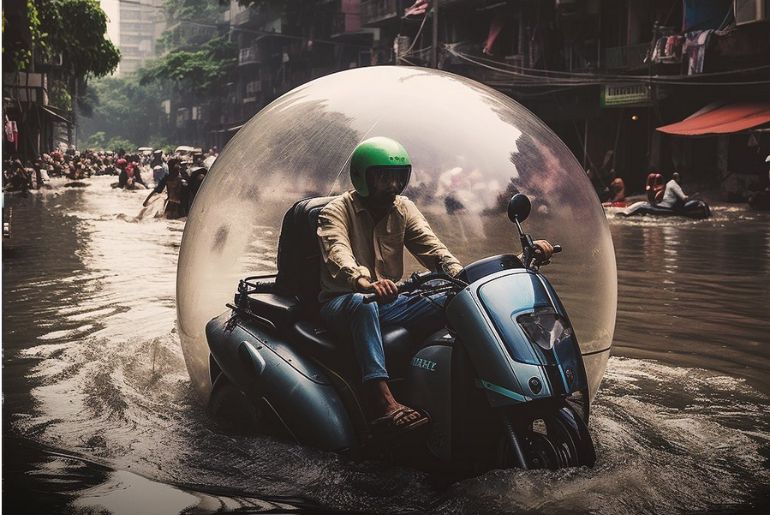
{"points": [[553, 439]]}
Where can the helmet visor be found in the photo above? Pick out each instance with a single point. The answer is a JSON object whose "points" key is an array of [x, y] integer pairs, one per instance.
{"points": [[387, 179]]}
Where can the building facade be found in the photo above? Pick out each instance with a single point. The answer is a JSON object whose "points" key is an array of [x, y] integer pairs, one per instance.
{"points": [[605, 75], [140, 25]]}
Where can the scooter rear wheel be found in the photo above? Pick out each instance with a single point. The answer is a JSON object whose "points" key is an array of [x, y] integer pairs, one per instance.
{"points": [[231, 410]]}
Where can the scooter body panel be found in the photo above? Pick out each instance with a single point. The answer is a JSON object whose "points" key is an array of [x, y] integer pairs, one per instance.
{"points": [[428, 387], [263, 365], [511, 367]]}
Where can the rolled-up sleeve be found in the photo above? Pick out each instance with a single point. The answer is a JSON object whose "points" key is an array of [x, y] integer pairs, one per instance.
{"points": [[335, 246], [421, 241]]}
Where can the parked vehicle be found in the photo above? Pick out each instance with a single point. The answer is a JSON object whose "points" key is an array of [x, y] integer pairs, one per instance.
{"points": [[690, 209]]}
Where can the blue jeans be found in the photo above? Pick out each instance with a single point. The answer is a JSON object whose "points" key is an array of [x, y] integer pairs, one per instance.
{"points": [[349, 317]]}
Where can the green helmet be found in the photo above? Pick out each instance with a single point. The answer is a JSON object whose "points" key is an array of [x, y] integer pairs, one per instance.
{"points": [[373, 155]]}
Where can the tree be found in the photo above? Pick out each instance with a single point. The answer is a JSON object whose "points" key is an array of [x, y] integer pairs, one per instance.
{"points": [[74, 29], [193, 23], [125, 109], [201, 71], [21, 32]]}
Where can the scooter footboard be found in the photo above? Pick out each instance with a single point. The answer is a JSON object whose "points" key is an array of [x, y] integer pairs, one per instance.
{"points": [[298, 392]]}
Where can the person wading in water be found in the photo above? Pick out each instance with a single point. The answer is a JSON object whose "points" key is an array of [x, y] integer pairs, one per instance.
{"points": [[174, 185]]}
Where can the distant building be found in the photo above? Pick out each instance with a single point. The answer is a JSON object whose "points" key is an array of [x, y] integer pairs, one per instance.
{"points": [[140, 25], [111, 8]]}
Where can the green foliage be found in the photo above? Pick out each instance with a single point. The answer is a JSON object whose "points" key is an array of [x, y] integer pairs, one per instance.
{"points": [[59, 95], [76, 29], [125, 109], [202, 71], [21, 32], [97, 140], [117, 143], [195, 23]]}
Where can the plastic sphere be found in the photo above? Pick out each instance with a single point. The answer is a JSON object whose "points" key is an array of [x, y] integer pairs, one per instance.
{"points": [[471, 148]]}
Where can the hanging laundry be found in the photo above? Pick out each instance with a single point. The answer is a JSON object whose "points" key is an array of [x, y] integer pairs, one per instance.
{"points": [[8, 129], [658, 50], [695, 49], [11, 131], [418, 8], [674, 47]]}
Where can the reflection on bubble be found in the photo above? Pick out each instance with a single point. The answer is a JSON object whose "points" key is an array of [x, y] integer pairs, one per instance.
{"points": [[471, 149]]}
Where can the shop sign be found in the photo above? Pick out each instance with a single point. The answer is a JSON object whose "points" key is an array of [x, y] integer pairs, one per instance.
{"points": [[622, 95]]}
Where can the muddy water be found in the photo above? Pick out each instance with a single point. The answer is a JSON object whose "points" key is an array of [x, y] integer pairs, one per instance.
{"points": [[98, 411]]}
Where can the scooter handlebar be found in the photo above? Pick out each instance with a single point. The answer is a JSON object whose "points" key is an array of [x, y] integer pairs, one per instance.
{"points": [[415, 281]]}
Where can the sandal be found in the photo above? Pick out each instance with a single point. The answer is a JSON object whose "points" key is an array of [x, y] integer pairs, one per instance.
{"points": [[401, 420]]}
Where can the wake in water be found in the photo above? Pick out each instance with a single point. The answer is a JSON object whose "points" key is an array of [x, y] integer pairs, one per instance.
{"points": [[91, 323], [668, 439]]}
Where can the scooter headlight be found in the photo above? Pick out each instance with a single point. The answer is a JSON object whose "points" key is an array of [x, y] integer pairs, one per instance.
{"points": [[545, 328]]}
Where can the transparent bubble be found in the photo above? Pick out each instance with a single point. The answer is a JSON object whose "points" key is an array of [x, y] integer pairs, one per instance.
{"points": [[471, 148]]}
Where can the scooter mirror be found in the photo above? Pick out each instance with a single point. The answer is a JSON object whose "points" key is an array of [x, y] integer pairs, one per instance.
{"points": [[519, 207]]}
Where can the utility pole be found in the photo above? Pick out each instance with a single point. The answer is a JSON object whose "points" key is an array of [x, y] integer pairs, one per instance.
{"points": [[434, 48], [75, 115]]}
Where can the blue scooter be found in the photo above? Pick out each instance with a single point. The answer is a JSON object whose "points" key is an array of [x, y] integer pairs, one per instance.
{"points": [[504, 383]]}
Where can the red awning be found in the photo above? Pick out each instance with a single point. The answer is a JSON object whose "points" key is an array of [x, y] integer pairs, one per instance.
{"points": [[721, 119]]}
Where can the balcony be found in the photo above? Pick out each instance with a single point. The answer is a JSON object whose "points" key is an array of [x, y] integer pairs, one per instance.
{"points": [[345, 24], [629, 57], [249, 55], [249, 16], [375, 13]]}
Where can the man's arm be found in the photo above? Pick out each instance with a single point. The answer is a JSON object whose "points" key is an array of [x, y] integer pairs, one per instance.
{"points": [[421, 241], [158, 189], [335, 247]]}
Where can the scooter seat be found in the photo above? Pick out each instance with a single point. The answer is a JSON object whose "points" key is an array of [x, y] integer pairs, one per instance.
{"points": [[322, 343], [280, 310]]}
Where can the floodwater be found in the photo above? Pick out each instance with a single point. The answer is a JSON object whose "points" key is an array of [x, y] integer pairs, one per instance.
{"points": [[99, 414]]}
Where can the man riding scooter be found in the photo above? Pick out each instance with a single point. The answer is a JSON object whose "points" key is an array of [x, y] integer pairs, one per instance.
{"points": [[362, 234]]}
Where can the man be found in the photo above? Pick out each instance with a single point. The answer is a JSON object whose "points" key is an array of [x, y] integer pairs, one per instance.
{"points": [[159, 167], [174, 185], [617, 188], [362, 234], [654, 188], [673, 197]]}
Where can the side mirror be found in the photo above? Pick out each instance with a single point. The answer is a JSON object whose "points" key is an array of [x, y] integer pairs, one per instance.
{"points": [[519, 208]]}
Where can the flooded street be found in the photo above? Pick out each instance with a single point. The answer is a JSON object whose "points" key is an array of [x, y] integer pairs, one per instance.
{"points": [[99, 411]]}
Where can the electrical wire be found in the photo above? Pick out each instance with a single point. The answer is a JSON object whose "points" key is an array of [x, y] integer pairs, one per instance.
{"points": [[451, 48], [552, 77], [537, 81], [417, 36]]}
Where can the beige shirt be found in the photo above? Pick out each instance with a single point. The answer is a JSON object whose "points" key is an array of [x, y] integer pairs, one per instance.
{"points": [[352, 245]]}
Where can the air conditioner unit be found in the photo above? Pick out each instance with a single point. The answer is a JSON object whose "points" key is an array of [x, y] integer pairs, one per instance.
{"points": [[750, 11]]}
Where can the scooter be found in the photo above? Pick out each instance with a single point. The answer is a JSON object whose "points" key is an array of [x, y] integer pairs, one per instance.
{"points": [[503, 384]]}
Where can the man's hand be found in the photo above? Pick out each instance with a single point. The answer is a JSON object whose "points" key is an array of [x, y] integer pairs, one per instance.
{"points": [[384, 290], [543, 252]]}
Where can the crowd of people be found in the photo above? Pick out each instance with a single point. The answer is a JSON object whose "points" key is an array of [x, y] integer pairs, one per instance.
{"points": [[180, 174]]}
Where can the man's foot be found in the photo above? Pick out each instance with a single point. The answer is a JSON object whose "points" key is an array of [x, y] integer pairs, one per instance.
{"points": [[400, 420]]}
